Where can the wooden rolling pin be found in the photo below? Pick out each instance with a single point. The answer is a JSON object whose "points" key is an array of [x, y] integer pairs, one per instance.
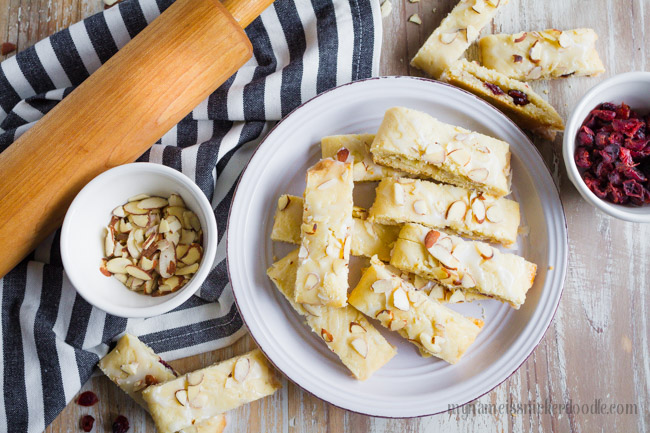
{"points": [[118, 113]]}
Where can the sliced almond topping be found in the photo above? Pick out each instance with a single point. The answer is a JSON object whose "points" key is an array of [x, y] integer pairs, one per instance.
{"points": [[230, 382], [400, 300], [338, 266], [445, 243], [467, 281], [565, 40], [384, 316], [303, 253], [314, 310], [457, 296], [478, 209], [312, 281], [356, 327], [397, 324], [460, 157], [416, 297], [444, 257], [194, 378], [448, 38], [535, 73], [484, 250], [198, 400], [494, 214], [118, 265], [431, 238], [427, 341], [360, 346], [130, 368], [153, 203], [420, 207], [325, 335], [138, 272], [521, 37], [478, 7], [483, 149], [181, 397], [493, 3], [167, 264], [478, 174], [462, 136], [398, 193], [535, 52], [327, 184], [456, 211], [434, 153], [332, 250], [382, 286]]}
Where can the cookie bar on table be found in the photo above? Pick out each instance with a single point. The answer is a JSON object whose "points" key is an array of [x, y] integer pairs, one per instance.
{"points": [[367, 239], [543, 54], [198, 396], [133, 366], [476, 267], [455, 34], [417, 143], [361, 348], [439, 206], [325, 235], [515, 98], [358, 145], [432, 327]]}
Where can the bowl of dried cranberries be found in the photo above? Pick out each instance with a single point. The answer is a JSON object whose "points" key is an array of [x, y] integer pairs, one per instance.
{"points": [[607, 146]]}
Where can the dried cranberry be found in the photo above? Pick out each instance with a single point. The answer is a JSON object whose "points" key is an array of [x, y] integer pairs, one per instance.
{"points": [[518, 97], [87, 398], [604, 114], [594, 185], [87, 423], [623, 112], [609, 153], [616, 194], [121, 424], [517, 58], [601, 140], [582, 158], [608, 106], [626, 157], [494, 88], [615, 178], [615, 138], [631, 173], [586, 136], [632, 188], [603, 169], [628, 127]]}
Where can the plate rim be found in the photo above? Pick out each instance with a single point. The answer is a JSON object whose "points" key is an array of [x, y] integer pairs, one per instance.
{"points": [[556, 191]]}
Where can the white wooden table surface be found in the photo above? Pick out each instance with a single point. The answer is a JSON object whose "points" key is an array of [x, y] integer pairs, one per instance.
{"points": [[597, 346]]}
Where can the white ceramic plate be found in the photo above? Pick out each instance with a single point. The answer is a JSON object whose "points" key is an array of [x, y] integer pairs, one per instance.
{"points": [[408, 385]]}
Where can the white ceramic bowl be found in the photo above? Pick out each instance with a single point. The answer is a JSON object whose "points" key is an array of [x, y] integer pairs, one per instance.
{"points": [[633, 88], [90, 212], [408, 385]]}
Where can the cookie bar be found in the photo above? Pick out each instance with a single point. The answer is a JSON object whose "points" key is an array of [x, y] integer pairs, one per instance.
{"points": [[358, 145], [440, 206], [432, 327], [325, 235], [361, 348], [417, 143], [203, 394], [543, 54], [367, 239], [515, 98], [453, 262], [133, 366], [455, 34]]}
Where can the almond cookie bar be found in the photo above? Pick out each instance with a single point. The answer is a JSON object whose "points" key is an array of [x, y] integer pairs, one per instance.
{"points": [[190, 399], [325, 235], [543, 54], [361, 348], [432, 327], [515, 98], [357, 145], [419, 144], [133, 366], [453, 262], [439, 206], [455, 34], [367, 239]]}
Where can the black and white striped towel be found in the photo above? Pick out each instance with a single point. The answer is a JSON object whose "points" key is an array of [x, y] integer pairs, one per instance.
{"points": [[51, 338]]}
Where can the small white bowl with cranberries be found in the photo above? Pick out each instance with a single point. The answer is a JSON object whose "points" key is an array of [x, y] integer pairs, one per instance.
{"points": [[607, 146]]}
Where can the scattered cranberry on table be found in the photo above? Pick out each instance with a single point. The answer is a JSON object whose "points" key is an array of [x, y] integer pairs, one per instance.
{"points": [[87, 399], [613, 154], [121, 424], [87, 423]]}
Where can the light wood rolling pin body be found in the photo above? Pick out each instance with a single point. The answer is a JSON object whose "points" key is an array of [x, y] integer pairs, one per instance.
{"points": [[117, 114]]}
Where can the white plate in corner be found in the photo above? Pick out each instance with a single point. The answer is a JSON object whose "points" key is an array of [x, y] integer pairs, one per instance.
{"points": [[409, 385]]}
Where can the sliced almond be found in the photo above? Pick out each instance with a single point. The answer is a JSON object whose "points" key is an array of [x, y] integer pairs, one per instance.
{"points": [[167, 263], [415, 18], [326, 185], [456, 211], [187, 270], [122, 278], [175, 211], [132, 246], [153, 203], [312, 281], [193, 255], [119, 212], [426, 340], [420, 207], [140, 220], [191, 221], [313, 310], [444, 257], [565, 40], [493, 3], [181, 397], [534, 73], [398, 193], [230, 382], [187, 236], [138, 197], [332, 250], [434, 153], [486, 251], [125, 226], [325, 335], [467, 281], [416, 297], [478, 209], [356, 328], [535, 53], [479, 7], [174, 223], [199, 400], [137, 272], [431, 238], [361, 346], [164, 226], [521, 37], [448, 38], [457, 296], [118, 265], [303, 253], [181, 250], [400, 300], [192, 393], [176, 200], [446, 243], [494, 214], [109, 243], [338, 266], [384, 316], [194, 378], [133, 208], [460, 157], [283, 202], [150, 286], [397, 324], [382, 286]]}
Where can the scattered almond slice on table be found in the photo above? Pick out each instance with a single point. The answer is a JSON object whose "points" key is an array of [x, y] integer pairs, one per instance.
{"points": [[153, 245]]}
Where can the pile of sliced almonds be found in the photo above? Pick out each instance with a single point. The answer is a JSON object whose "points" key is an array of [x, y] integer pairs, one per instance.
{"points": [[152, 244]]}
